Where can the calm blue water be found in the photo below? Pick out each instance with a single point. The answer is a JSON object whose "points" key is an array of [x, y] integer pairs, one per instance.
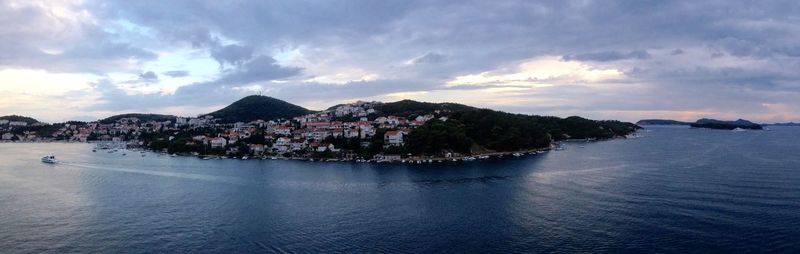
{"points": [[675, 190]]}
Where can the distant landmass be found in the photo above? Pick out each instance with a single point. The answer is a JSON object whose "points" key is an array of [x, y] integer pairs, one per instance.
{"points": [[784, 124], [257, 107], [726, 125], [705, 123], [661, 122]]}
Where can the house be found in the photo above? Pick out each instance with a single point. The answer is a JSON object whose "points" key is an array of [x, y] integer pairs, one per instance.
{"points": [[218, 142], [283, 130], [257, 149], [298, 144], [17, 123], [393, 138], [200, 138], [282, 141], [8, 136], [423, 118]]}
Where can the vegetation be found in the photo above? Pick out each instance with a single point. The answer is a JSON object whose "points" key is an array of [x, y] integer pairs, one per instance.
{"points": [[409, 107], [141, 117], [16, 118], [257, 107], [436, 136], [484, 129]]}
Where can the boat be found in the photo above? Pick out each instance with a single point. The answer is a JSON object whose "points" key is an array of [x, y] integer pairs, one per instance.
{"points": [[517, 154], [245, 158], [738, 129], [49, 159]]}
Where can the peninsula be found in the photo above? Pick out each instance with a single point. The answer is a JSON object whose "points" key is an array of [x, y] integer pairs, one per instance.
{"points": [[261, 126]]}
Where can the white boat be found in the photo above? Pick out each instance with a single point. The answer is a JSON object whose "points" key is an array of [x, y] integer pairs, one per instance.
{"points": [[517, 154], [49, 159], [738, 129]]}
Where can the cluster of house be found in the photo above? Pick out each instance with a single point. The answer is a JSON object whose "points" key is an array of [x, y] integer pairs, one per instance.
{"points": [[310, 132], [7, 126]]}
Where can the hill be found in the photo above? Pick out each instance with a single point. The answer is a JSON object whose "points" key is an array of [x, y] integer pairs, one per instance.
{"points": [[661, 122], [141, 117], [257, 107], [16, 118], [726, 125], [492, 130]]}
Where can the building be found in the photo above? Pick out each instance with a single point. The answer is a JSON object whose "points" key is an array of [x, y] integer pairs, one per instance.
{"points": [[17, 123], [218, 142], [393, 138]]}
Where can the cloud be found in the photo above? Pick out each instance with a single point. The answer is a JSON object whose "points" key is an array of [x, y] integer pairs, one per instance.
{"points": [[429, 58], [176, 74], [606, 56], [231, 54], [63, 36], [710, 56], [148, 76]]}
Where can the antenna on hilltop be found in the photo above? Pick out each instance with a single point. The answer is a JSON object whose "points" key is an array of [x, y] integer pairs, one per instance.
{"points": [[259, 92]]}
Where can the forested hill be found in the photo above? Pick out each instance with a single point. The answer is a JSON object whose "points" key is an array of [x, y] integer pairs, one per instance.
{"points": [[256, 107], [16, 118], [478, 130]]}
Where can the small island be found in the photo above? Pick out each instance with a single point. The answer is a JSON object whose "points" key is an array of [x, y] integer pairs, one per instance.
{"points": [[726, 125]]}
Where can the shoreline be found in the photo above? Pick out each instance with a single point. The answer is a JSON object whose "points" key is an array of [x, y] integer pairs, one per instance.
{"points": [[554, 146]]}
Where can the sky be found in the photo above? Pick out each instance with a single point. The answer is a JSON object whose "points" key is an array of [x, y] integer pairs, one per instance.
{"points": [[628, 60]]}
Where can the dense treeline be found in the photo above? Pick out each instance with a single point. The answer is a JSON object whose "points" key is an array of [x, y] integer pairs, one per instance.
{"points": [[435, 136], [409, 107], [499, 131]]}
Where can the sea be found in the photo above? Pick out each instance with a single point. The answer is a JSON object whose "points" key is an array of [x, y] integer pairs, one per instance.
{"points": [[670, 190]]}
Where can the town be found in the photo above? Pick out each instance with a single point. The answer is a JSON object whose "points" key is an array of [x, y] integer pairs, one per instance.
{"points": [[345, 132]]}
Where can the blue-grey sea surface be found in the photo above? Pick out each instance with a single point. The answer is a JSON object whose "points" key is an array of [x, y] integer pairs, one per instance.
{"points": [[674, 190]]}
